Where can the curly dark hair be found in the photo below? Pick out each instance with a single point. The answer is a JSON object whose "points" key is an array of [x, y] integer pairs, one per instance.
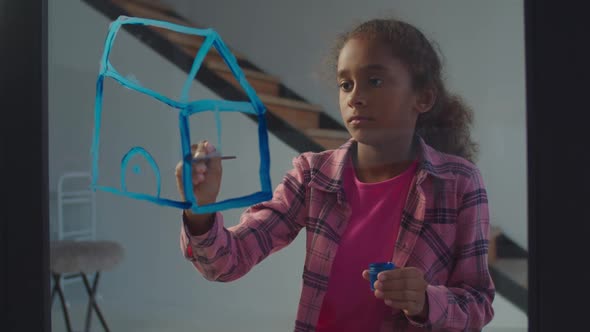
{"points": [[446, 127]]}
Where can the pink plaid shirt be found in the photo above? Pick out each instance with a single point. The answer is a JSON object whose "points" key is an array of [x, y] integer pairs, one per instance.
{"points": [[444, 232]]}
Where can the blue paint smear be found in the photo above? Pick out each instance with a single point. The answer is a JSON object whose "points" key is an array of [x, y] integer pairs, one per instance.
{"points": [[185, 109], [138, 150]]}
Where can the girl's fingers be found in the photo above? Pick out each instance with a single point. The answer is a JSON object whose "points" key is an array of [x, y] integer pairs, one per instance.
{"points": [[178, 170], [210, 148], [405, 296], [366, 275], [214, 164], [198, 173], [407, 307], [401, 274], [399, 285], [210, 167], [178, 173], [200, 167], [199, 150]]}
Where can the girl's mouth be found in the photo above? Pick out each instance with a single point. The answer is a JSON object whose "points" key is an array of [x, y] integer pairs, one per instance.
{"points": [[357, 120]]}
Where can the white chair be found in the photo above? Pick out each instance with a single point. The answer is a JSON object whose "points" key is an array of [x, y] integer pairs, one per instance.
{"points": [[76, 253], [70, 195]]}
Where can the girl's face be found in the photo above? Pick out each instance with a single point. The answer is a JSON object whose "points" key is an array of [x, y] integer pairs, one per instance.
{"points": [[377, 101]]}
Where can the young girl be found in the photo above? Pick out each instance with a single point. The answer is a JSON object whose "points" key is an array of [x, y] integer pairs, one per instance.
{"points": [[402, 189]]}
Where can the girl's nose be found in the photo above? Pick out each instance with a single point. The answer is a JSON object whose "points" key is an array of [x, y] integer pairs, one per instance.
{"points": [[357, 99]]}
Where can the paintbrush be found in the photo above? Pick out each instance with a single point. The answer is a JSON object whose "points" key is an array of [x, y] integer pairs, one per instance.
{"points": [[205, 158]]}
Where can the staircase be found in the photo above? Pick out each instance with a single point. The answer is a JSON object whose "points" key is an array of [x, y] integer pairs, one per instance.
{"points": [[299, 124], [508, 264]]}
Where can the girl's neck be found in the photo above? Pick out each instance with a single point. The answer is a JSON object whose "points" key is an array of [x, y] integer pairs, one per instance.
{"points": [[379, 163]]}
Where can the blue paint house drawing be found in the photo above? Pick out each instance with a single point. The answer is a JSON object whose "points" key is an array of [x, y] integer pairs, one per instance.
{"points": [[186, 108]]}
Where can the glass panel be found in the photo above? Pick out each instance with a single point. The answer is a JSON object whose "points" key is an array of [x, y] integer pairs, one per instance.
{"points": [[281, 48]]}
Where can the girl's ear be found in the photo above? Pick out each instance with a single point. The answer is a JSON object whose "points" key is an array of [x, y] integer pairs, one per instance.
{"points": [[425, 101]]}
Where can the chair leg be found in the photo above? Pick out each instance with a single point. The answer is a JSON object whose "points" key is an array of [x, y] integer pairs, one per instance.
{"points": [[92, 302], [88, 310], [57, 289]]}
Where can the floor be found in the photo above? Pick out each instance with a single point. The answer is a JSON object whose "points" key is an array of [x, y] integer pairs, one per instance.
{"points": [[507, 318]]}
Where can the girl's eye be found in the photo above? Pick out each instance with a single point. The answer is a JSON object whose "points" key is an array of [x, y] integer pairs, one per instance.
{"points": [[345, 86], [376, 81]]}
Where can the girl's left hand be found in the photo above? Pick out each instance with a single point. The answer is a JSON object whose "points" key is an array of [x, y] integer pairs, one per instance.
{"points": [[404, 289]]}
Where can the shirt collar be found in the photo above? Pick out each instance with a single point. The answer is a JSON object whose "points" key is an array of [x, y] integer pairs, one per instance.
{"points": [[328, 174]]}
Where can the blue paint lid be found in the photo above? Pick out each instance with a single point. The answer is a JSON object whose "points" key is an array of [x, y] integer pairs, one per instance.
{"points": [[375, 268]]}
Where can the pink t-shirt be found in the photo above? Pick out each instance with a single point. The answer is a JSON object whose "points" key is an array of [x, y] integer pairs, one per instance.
{"points": [[376, 208]]}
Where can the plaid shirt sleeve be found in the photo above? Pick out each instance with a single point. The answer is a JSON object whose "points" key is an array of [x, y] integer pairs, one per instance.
{"points": [[225, 254], [465, 303]]}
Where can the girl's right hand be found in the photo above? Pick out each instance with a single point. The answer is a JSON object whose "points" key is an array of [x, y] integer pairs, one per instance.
{"points": [[206, 175]]}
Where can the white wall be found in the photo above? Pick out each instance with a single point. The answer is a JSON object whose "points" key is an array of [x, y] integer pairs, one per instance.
{"points": [[155, 289], [483, 46]]}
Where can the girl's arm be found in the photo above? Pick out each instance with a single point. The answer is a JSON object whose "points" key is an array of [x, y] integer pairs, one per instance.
{"points": [[465, 302], [225, 254]]}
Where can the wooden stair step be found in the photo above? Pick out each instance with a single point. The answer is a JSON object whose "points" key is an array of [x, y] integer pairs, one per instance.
{"points": [[514, 268], [182, 39], [139, 8], [328, 138], [261, 82], [299, 114], [192, 43], [495, 232], [159, 5], [509, 272], [274, 100], [220, 65], [192, 52], [189, 43]]}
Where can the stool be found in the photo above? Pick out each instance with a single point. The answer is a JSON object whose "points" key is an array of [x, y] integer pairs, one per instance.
{"points": [[83, 258]]}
